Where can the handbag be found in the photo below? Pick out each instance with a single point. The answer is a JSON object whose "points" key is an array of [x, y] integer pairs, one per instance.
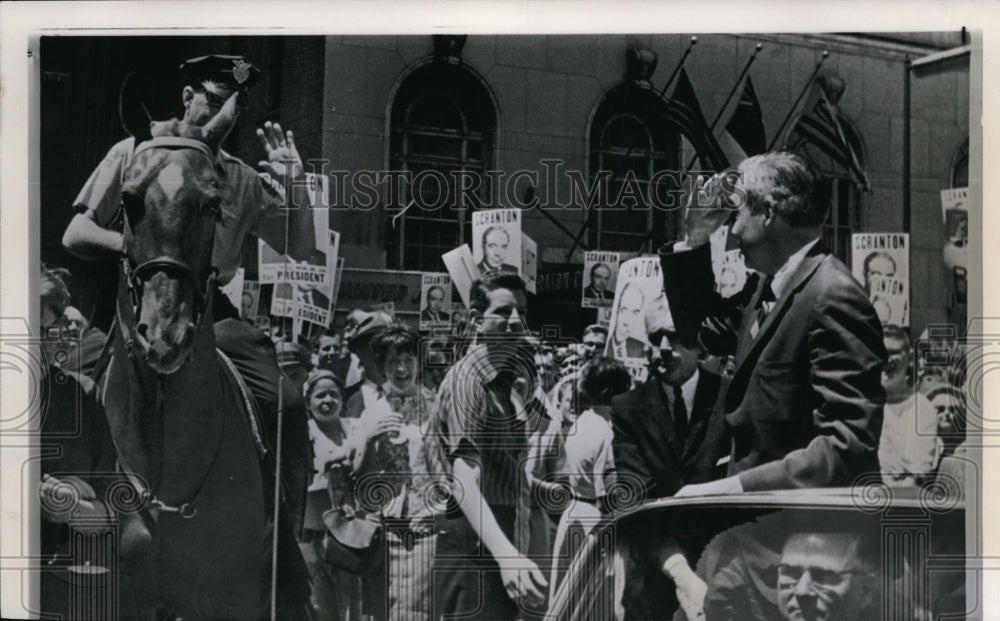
{"points": [[353, 539]]}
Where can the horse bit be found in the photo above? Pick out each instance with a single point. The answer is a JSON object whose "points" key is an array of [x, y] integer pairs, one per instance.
{"points": [[134, 276]]}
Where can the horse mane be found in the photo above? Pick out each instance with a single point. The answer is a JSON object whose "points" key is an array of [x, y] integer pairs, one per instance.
{"points": [[177, 128]]}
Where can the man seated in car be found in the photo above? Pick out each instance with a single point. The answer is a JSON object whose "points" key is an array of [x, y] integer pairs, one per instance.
{"points": [[819, 573], [828, 576]]}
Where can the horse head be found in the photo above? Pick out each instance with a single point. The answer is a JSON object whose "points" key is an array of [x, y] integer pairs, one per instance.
{"points": [[171, 196]]}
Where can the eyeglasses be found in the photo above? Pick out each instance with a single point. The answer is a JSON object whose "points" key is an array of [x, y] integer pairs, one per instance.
{"points": [[789, 576], [217, 101]]}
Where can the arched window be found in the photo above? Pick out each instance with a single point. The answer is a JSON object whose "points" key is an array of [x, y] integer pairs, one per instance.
{"points": [[442, 120], [630, 134], [846, 215]]}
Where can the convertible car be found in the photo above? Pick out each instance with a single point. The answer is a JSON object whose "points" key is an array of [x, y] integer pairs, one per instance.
{"points": [[870, 553]]}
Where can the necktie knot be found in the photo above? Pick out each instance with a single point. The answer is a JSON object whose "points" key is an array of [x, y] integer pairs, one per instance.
{"points": [[767, 293]]}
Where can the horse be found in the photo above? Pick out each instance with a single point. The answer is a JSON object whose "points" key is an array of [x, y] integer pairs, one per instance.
{"points": [[186, 432]]}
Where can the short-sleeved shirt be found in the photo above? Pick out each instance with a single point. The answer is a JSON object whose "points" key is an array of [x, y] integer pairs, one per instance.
{"points": [[246, 199], [589, 456], [482, 419]]}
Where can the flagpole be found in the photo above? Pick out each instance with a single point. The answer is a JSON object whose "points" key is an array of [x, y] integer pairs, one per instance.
{"points": [[802, 95], [832, 111], [739, 81], [687, 52], [732, 93]]}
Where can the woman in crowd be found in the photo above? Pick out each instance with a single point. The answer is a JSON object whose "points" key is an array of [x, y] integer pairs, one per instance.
{"points": [[589, 462], [336, 592], [396, 472], [909, 446]]}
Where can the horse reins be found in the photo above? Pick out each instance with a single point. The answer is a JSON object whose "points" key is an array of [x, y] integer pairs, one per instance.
{"points": [[133, 277], [134, 282]]}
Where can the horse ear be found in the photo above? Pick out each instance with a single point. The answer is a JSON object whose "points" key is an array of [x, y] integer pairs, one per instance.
{"points": [[131, 109], [217, 128]]}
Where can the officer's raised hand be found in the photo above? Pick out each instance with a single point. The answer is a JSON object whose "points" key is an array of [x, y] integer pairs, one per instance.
{"points": [[281, 151]]}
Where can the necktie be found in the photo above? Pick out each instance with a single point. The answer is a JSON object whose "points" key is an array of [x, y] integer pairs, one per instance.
{"points": [[764, 305], [680, 415]]}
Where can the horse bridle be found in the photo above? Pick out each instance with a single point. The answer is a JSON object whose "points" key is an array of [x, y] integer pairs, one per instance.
{"points": [[133, 277]]}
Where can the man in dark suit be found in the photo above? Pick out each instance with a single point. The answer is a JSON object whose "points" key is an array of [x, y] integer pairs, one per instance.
{"points": [[669, 431], [600, 277], [435, 300], [804, 405]]}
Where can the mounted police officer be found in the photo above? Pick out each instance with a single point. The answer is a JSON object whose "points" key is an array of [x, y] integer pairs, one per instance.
{"points": [[252, 204]]}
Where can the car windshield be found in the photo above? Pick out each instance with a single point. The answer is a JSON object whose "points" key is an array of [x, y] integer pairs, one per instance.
{"points": [[769, 562]]}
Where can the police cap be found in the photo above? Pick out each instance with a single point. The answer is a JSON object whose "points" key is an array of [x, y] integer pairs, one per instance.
{"points": [[232, 72]]}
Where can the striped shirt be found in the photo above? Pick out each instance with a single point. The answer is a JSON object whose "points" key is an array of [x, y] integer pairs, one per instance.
{"points": [[483, 420]]}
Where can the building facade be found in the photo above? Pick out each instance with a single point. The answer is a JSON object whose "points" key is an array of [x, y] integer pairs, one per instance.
{"points": [[523, 115]]}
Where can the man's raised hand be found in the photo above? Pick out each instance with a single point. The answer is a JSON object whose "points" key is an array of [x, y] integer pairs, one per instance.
{"points": [[708, 208], [281, 151]]}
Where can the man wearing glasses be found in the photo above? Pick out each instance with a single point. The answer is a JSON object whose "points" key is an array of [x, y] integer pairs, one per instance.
{"points": [[828, 576]]}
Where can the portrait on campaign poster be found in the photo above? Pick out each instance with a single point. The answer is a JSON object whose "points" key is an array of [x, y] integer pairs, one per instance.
{"points": [[600, 275], [496, 240], [727, 263], [954, 208], [881, 262], [529, 263], [639, 288], [250, 301], [435, 301], [300, 299]]}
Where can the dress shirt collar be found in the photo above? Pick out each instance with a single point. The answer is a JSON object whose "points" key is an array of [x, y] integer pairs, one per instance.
{"points": [[785, 272], [688, 389]]}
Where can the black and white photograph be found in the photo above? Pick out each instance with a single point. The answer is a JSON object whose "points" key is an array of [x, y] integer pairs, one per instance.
{"points": [[601, 275], [250, 301], [435, 305], [881, 262], [496, 238], [640, 308], [498, 321]]}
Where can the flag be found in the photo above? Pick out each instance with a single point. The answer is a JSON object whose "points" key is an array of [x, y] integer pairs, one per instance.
{"points": [[818, 122], [684, 113], [743, 134]]}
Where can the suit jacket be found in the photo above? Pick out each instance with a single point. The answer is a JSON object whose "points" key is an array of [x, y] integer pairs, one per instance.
{"points": [[425, 315], [804, 405], [590, 292], [646, 448], [485, 269]]}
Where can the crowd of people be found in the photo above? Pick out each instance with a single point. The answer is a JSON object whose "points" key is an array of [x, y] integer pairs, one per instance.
{"points": [[457, 473]]}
